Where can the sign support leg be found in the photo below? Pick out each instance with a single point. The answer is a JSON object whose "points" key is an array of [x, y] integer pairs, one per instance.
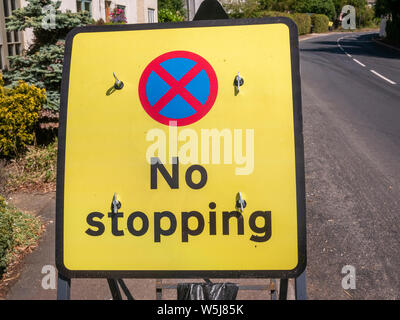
{"points": [[300, 287], [115, 293], [283, 289], [63, 288], [125, 289]]}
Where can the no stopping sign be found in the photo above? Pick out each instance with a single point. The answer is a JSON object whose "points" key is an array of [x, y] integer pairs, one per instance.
{"points": [[178, 87]]}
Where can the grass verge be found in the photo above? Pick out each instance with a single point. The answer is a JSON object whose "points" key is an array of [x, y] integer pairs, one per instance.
{"points": [[19, 234], [35, 171]]}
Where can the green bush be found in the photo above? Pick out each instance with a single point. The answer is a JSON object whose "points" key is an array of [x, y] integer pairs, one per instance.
{"points": [[393, 31], [238, 9], [326, 7], [167, 15], [19, 114], [275, 14], [320, 23], [42, 69], [17, 232], [302, 20], [5, 234]]}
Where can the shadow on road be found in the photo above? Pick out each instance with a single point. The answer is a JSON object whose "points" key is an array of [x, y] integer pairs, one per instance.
{"points": [[361, 45]]}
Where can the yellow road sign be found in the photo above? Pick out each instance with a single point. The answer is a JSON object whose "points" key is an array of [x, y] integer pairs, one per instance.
{"points": [[181, 151]]}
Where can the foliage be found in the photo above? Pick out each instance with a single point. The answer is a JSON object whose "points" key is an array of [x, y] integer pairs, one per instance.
{"points": [[5, 234], [359, 5], [117, 16], [276, 14], [237, 9], [302, 20], [277, 5], [388, 7], [42, 64], [35, 170], [175, 6], [393, 31], [17, 232], [315, 6], [19, 113], [364, 14], [320, 23], [367, 18], [167, 15], [42, 69], [33, 15]]}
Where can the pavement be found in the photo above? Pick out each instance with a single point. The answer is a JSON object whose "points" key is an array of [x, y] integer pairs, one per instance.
{"points": [[352, 147]]}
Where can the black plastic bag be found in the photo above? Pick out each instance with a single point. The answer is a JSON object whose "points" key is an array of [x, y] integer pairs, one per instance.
{"points": [[207, 291]]}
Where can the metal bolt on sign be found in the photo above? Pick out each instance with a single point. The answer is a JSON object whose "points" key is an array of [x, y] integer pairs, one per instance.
{"points": [[118, 85], [238, 81], [115, 204], [240, 202]]}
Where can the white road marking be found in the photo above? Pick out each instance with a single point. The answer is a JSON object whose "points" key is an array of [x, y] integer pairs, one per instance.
{"points": [[381, 76], [361, 64], [355, 60]]}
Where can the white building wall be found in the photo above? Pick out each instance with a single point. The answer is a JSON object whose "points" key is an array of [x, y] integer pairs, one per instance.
{"points": [[136, 11], [130, 9], [143, 9], [98, 8]]}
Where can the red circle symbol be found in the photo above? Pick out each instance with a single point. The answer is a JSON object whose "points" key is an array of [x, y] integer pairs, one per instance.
{"points": [[178, 88]]}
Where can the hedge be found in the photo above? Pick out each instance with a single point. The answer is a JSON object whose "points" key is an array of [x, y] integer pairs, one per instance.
{"points": [[320, 23], [302, 20]]}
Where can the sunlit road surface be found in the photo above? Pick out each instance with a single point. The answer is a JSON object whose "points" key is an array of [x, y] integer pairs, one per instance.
{"points": [[351, 114]]}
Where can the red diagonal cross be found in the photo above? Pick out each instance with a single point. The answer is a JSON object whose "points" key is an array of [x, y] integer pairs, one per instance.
{"points": [[177, 87]]}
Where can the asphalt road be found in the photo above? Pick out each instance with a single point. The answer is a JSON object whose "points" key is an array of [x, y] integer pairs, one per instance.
{"points": [[352, 150]]}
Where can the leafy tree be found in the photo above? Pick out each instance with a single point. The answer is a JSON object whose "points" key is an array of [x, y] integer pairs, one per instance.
{"points": [[174, 6], [167, 15], [325, 7], [41, 64], [243, 9], [32, 16], [388, 7], [276, 5]]}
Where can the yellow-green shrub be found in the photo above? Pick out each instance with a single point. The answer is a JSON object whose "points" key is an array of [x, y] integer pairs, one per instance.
{"points": [[320, 23], [19, 114], [302, 20]]}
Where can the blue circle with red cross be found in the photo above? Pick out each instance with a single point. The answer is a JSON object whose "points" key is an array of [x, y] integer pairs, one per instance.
{"points": [[178, 88]]}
